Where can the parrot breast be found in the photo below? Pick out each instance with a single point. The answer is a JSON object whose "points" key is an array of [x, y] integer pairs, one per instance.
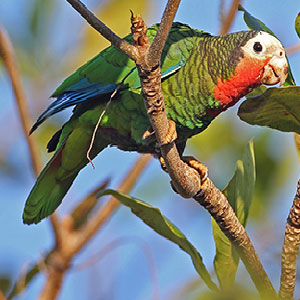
{"points": [[247, 76]]}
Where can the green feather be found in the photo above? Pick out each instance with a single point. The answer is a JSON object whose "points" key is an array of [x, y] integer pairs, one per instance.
{"points": [[192, 60]]}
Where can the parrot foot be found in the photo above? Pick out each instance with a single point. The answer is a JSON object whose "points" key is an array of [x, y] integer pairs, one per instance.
{"points": [[148, 134], [198, 166], [191, 162], [163, 164], [171, 135]]}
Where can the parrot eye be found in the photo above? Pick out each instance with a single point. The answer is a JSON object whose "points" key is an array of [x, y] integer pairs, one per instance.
{"points": [[257, 47]]}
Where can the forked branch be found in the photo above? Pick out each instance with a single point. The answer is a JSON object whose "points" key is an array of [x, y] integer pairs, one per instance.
{"points": [[185, 179]]}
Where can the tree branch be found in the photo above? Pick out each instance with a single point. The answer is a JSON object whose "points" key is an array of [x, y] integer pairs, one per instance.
{"points": [[7, 53], [218, 206], [185, 179], [99, 219], [74, 239], [226, 24], [291, 50], [290, 250], [119, 43], [154, 54], [2, 296]]}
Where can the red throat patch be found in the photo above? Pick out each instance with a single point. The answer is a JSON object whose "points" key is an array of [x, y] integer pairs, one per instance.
{"points": [[247, 76]]}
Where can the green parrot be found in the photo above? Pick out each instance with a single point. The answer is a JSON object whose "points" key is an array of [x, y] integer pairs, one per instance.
{"points": [[202, 75]]}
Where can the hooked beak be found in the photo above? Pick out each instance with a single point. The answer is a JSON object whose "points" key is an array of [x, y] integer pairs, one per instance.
{"points": [[275, 71]]}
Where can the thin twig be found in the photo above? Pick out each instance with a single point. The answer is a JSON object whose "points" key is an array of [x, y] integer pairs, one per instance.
{"points": [[290, 250], [101, 116], [154, 54], [97, 126], [119, 43], [291, 50], [55, 275], [112, 204], [81, 213], [230, 17], [74, 239], [7, 53]]}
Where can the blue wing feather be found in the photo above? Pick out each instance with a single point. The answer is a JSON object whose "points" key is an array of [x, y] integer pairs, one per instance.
{"points": [[173, 59], [79, 92], [84, 90]]}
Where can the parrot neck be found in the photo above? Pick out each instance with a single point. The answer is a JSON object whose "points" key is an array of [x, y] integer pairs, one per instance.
{"points": [[246, 77]]}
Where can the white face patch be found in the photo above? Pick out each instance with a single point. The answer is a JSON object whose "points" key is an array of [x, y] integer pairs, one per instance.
{"points": [[264, 46]]}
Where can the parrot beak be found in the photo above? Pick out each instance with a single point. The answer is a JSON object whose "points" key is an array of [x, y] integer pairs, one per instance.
{"points": [[276, 71]]}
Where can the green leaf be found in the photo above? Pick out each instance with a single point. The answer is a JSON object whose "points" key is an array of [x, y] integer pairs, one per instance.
{"points": [[297, 25], [297, 144], [277, 108], [255, 24], [154, 219], [5, 283], [239, 193]]}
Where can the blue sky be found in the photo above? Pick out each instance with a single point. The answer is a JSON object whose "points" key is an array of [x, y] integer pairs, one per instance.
{"points": [[126, 265]]}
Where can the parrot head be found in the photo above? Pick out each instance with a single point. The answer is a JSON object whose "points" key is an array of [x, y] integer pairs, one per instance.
{"points": [[261, 60], [267, 50]]}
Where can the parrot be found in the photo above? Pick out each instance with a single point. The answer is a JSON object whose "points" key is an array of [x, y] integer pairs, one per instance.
{"points": [[202, 75]]}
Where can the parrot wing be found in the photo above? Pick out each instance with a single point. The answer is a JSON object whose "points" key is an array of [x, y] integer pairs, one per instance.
{"points": [[111, 68]]}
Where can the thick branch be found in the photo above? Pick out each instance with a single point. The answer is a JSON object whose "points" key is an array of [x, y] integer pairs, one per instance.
{"points": [[218, 206], [119, 43], [290, 250], [185, 179]]}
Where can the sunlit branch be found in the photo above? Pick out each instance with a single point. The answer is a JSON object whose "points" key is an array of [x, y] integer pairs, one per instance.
{"points": [[290, 250], [185, 179], [75, 238]]}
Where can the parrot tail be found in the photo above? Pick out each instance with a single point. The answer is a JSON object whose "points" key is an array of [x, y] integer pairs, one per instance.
{"points": [[57, 177]]}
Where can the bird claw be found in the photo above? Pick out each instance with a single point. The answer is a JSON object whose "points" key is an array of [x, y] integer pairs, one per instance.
{"points": [[198, 166], [163, 164], [171, 135], [148, 134]]}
